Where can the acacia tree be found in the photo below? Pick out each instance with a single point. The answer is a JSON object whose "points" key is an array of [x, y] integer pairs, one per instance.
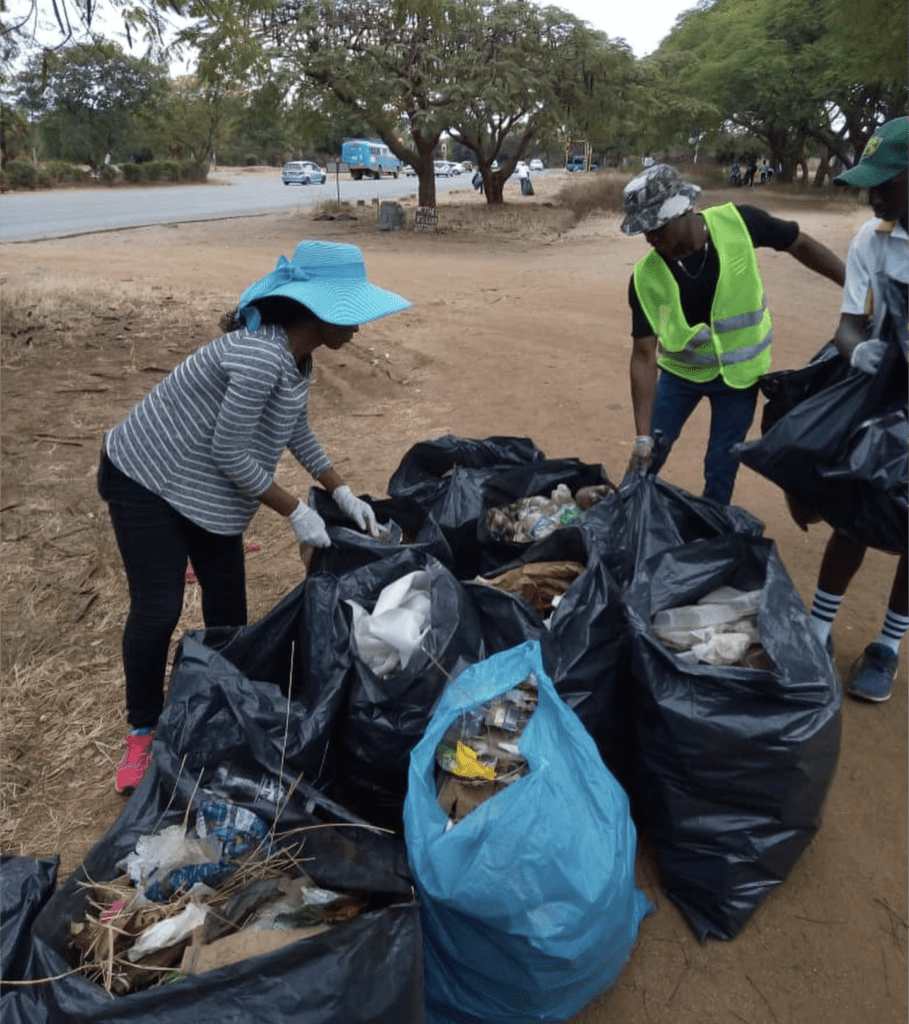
{"points": [[534, 72]]}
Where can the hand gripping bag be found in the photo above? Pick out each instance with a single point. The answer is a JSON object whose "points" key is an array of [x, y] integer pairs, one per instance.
{"points": [[528, 904]]}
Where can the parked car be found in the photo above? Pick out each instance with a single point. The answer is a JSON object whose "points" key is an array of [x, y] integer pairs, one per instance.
{"points": [[536, 164], [303, 172], [442, 168], [410, 171]]}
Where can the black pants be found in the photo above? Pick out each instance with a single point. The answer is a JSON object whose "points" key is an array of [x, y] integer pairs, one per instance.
{"points": [[156, 542]]}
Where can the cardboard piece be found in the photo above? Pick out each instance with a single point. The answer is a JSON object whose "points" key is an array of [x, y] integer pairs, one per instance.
{"points": [[197, 959]]}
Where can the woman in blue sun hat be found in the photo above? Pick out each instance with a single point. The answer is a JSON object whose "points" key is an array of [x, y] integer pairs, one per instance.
{"points": [[184, 472]]}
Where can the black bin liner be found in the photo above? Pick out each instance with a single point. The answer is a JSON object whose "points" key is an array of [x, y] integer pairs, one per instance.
{"points": [[369, 969], [351, 548], [836, 438], [585, 647], [384, 717], [446, 477], [734, 763]]}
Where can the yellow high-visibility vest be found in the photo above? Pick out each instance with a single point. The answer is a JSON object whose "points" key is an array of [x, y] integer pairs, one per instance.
{"points": [[736, 342]]}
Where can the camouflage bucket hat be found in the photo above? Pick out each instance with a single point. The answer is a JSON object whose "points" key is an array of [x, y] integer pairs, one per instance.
{"points": [[655, 197]]}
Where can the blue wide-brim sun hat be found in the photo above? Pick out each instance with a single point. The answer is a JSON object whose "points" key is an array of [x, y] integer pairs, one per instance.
{"points": [[328, 278]]}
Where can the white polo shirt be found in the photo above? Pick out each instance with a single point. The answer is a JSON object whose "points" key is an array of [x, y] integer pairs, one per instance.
{"points": [[879, 246]]}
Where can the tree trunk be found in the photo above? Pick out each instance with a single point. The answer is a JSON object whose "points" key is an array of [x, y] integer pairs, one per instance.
{"points": [[493, 186], [427, 178]]}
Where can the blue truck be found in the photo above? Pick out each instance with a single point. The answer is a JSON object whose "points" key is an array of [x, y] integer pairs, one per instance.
{"points": [[369, 158]]}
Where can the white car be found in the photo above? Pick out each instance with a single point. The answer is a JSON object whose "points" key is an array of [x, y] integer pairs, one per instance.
{"points": [[536, 165], [303, 172], [442, 168]]}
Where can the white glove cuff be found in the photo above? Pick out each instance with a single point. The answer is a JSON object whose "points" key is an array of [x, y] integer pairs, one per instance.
{"points": [[298, 520]]}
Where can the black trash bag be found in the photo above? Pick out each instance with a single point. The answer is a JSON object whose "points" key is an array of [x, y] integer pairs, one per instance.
{"points": [[585, 643], [26, 884], [385, 716], [446, 477], [647, 515], [840, 448], [368, 969], [536, 478], [411, 527], [244, 675], [734, 763]]}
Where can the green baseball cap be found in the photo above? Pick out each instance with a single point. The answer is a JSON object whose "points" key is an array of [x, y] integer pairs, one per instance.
{"points": [[884, 157]]}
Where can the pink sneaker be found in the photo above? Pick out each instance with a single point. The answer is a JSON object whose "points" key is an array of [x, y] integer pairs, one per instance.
{"points": [[135, 761]]}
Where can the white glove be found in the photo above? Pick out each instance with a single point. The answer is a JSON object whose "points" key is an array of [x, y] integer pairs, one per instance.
{"points": [[356, 509], [867, 355], [309, 527]]}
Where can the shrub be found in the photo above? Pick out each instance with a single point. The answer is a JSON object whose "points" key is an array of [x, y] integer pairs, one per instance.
{"points": [[190, 170], [22, 174], [133, 173], [161, 170], [61, 170], [593, 193], [108, 174]]}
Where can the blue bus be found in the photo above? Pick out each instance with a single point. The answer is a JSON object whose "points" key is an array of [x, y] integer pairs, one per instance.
{"points": [[369, 158]]}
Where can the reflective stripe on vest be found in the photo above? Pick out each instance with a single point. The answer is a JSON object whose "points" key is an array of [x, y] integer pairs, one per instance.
{"points": [[737, 343]]}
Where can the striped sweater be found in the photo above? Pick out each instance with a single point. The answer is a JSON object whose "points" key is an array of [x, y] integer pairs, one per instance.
{"points": [[207, 438]]}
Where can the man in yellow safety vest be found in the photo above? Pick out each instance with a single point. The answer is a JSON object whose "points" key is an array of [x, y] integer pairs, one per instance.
{"points": [[699, 315]]}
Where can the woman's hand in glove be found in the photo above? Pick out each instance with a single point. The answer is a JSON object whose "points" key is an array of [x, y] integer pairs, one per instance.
{"points": [[356, 509], [309, 527]]}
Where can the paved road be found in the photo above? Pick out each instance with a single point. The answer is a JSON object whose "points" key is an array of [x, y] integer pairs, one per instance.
{"points": [[28, 216]]}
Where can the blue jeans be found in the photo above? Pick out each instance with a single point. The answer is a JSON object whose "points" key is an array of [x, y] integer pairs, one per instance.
{"points": [[731, 414], [155, 542]]}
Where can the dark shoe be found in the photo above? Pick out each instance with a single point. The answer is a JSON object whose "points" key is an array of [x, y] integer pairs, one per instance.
{"points": [[874, 679]]}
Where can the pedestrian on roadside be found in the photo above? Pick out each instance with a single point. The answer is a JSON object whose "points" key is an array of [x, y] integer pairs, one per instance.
{"points": [[700, 323], [880, 247], [184, 472]]}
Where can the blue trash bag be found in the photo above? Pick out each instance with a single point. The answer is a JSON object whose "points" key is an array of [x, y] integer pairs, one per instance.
{"points": [[528, 904]]}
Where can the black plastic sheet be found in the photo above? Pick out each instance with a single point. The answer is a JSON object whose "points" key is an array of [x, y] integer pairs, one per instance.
{"points": [[734, 763], [836, 439]]}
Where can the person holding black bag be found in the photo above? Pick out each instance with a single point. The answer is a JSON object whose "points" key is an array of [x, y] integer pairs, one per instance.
{"points": [[879, 248]]}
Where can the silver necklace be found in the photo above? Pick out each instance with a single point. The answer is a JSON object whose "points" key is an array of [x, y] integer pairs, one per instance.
{"points": [[697, 273]]}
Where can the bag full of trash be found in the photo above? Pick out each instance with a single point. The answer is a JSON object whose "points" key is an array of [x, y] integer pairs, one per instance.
{"points": [[493, 956], [733, 761], [445, 477], [315, 922]]}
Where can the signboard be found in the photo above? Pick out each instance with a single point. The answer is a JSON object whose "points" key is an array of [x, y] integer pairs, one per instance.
{"points": [[425, 218]]}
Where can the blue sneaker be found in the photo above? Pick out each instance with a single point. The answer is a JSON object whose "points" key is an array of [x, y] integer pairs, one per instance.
{"points": [[876, 674]]}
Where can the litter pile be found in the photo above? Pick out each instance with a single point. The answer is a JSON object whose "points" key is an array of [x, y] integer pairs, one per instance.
{"points": [[721, 629], [479, 755], [191, 900], [535, 517], [541, 584]]}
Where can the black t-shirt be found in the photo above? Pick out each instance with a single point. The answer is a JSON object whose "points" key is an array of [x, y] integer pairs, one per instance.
{"points": [[697, 292]]}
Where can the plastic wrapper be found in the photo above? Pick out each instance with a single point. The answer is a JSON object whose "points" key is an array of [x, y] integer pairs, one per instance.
{"points": [[733, 763], [491, 955]]}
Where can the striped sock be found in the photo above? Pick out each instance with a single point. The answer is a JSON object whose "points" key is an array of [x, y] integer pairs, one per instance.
{"points": [[823, 612], [893, 631]]}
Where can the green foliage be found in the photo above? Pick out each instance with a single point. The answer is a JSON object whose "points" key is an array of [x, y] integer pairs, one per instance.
{"points": [[63, 172], [21, 174]]}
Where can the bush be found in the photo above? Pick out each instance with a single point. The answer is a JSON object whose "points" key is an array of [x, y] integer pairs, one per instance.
{"points": [[63, 171], [190, 170], [133, 173], [593, 193], [161, 170], [22, 174], [108, 174]]}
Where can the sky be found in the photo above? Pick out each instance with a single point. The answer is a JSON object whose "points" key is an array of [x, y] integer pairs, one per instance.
{"points": [[641, 23]]}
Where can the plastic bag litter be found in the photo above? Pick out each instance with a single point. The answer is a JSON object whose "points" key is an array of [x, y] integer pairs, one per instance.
{"points": [[733, 762], [492, 955], [837, 437], [719, 630], [388, 637]]}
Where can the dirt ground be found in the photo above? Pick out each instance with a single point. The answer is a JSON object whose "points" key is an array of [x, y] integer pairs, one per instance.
{"points": [[519, 326]]}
